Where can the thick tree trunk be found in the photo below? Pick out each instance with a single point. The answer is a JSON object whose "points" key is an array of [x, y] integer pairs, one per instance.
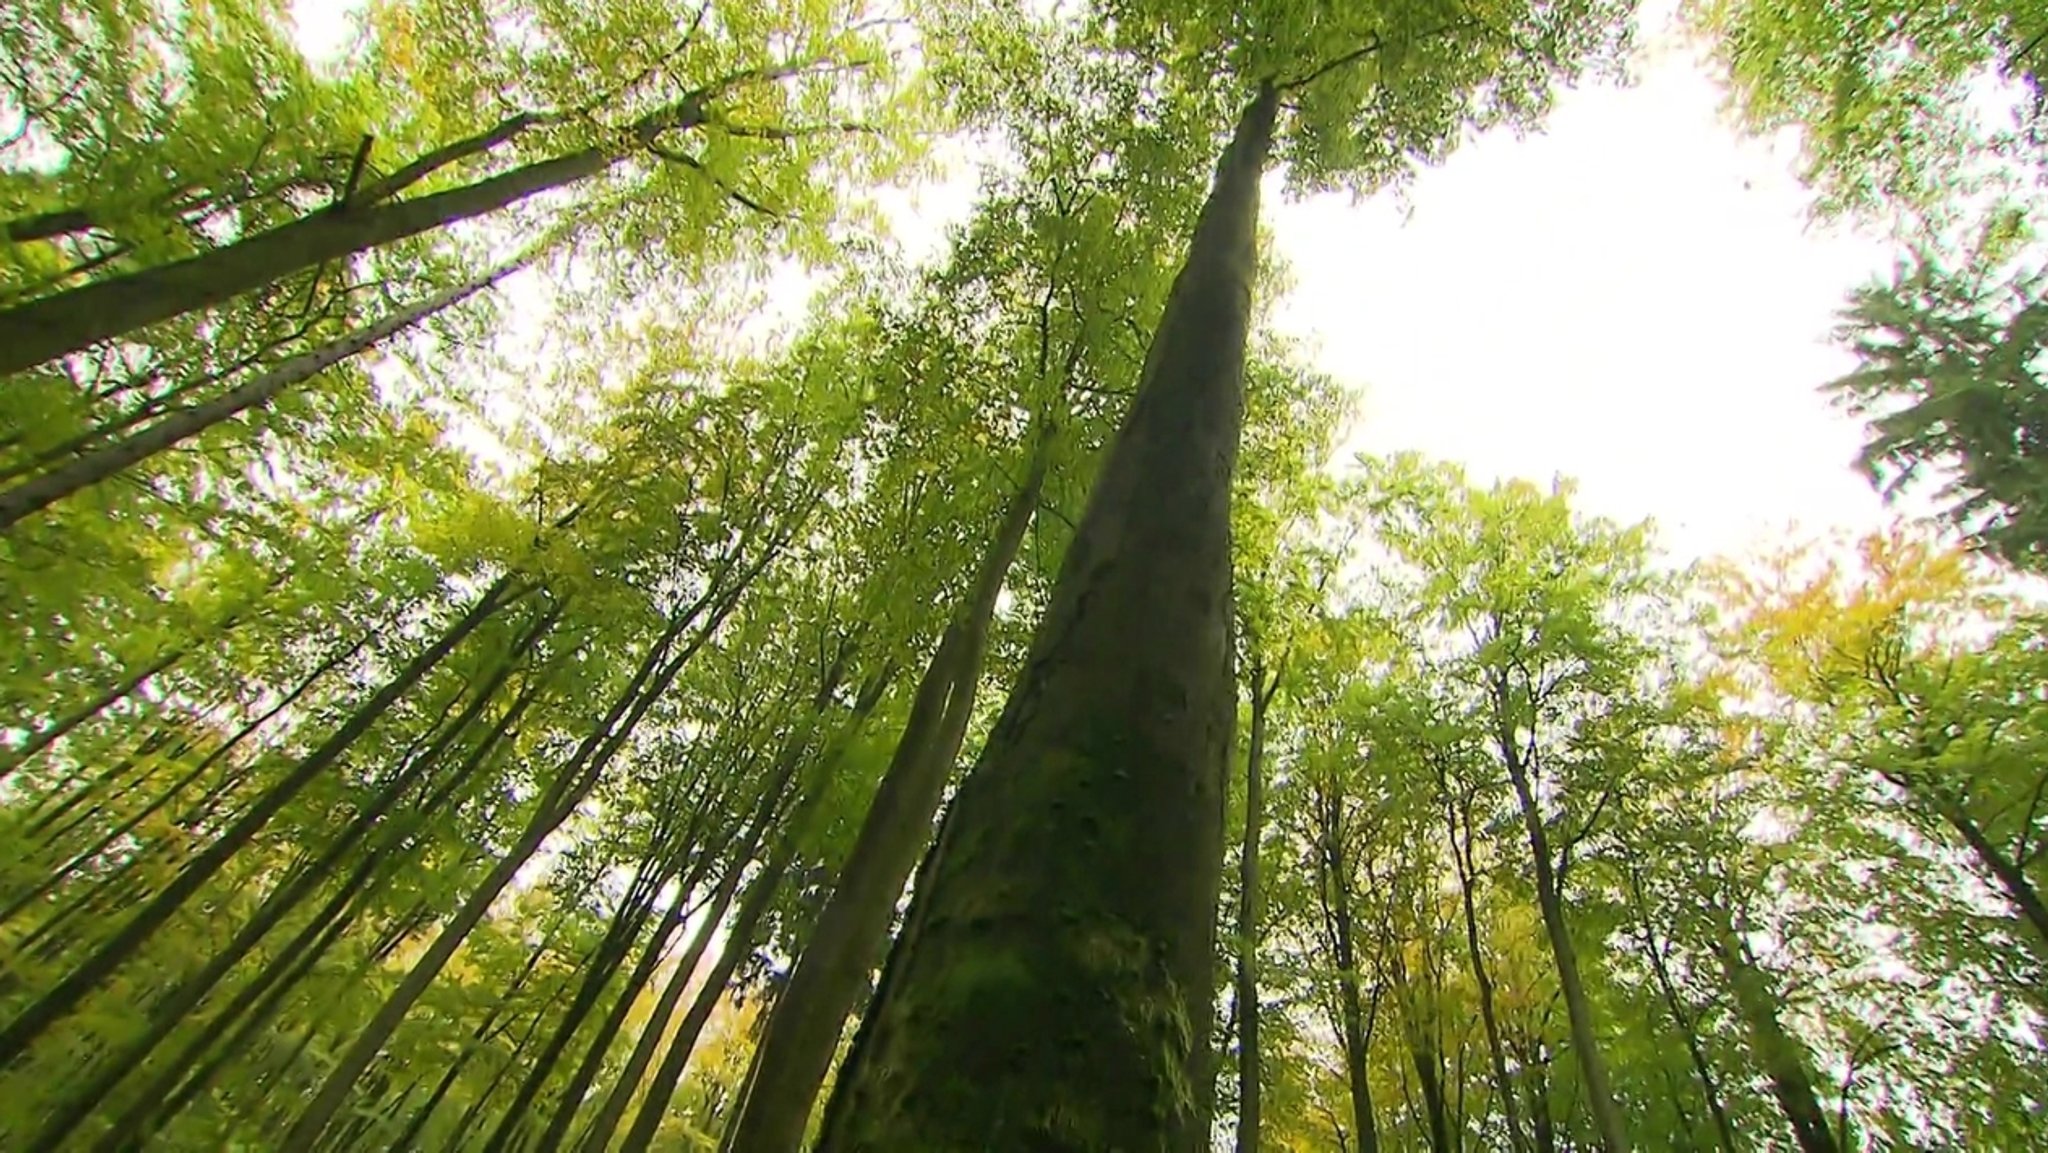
{"points": [[1607, 1122], [1248, 897], [804, 1027], [1054, 983], [46, 489], [62, 998], [1782, 1058], [78, 318]]}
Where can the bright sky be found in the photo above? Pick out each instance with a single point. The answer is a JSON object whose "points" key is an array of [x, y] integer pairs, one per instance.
{"points": [[1634, 297]]}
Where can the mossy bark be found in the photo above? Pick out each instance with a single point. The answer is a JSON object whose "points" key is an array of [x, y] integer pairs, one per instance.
{"points": [[803, 1030], [1052, 987]]}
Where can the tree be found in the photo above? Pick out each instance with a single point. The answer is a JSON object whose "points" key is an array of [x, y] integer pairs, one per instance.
{"points": [[1125, 705]]}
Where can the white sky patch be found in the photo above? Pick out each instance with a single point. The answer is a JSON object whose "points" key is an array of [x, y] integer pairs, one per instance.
{"points": [[1634, 298]]}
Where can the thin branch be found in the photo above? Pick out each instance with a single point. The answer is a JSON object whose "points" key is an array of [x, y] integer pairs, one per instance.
{"points": [[689, 161], [1371, 46]]}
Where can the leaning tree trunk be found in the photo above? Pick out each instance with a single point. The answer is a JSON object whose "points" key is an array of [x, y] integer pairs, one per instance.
{"points": [[1052, 989], [40, 492], [78, 318], [1607, 1122], [571, 785], [1782, 1057], [804, 1027], [96, 970]]}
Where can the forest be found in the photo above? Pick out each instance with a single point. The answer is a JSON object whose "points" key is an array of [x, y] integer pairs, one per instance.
{"points": [[537, 621]]}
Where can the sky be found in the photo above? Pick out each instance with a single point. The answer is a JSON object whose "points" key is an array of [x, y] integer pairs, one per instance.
{"points": [[1635, 297]]}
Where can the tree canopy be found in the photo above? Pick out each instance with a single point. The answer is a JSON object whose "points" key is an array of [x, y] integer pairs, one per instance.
{"points": [[536, 623]]}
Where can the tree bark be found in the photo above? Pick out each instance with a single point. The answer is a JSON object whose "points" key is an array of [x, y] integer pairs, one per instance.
{"points": [[78, 318], [1782, 1057], [62, 998], [1248, 896], [40, 492], [804, 1027], [1607, 1121], [1053, 986]]}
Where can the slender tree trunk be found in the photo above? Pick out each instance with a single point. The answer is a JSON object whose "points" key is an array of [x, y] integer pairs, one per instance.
{"points": [[613, 1110], [78, 318], [739, 943], [1782, 1057], [1607, 1121], [1248, 897], [1482, 980], [1724, 1129], [1353, 1018], [134, 821], [592, 1062], [191, 1070], [1055, 984], [62, 727], [41, 491], [572, 783], [2018, 887], [611, 953], [56, 1004], [803, 1029], [485, 1031], [1424, 1055]]}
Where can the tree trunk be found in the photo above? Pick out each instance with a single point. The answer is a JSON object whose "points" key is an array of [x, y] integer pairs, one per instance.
{"points": [[613, 1109], [1356, 1025], [40, 492], [62, 998], [739, 942], [1724, 1128], [1783, 1058], [592, 1062], [1482, 980], [804, 1027], [1248, 915], [1055, 980], [1607, 1122], [572, 783], [612, 950], [78, 318], [2018, 887]]}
